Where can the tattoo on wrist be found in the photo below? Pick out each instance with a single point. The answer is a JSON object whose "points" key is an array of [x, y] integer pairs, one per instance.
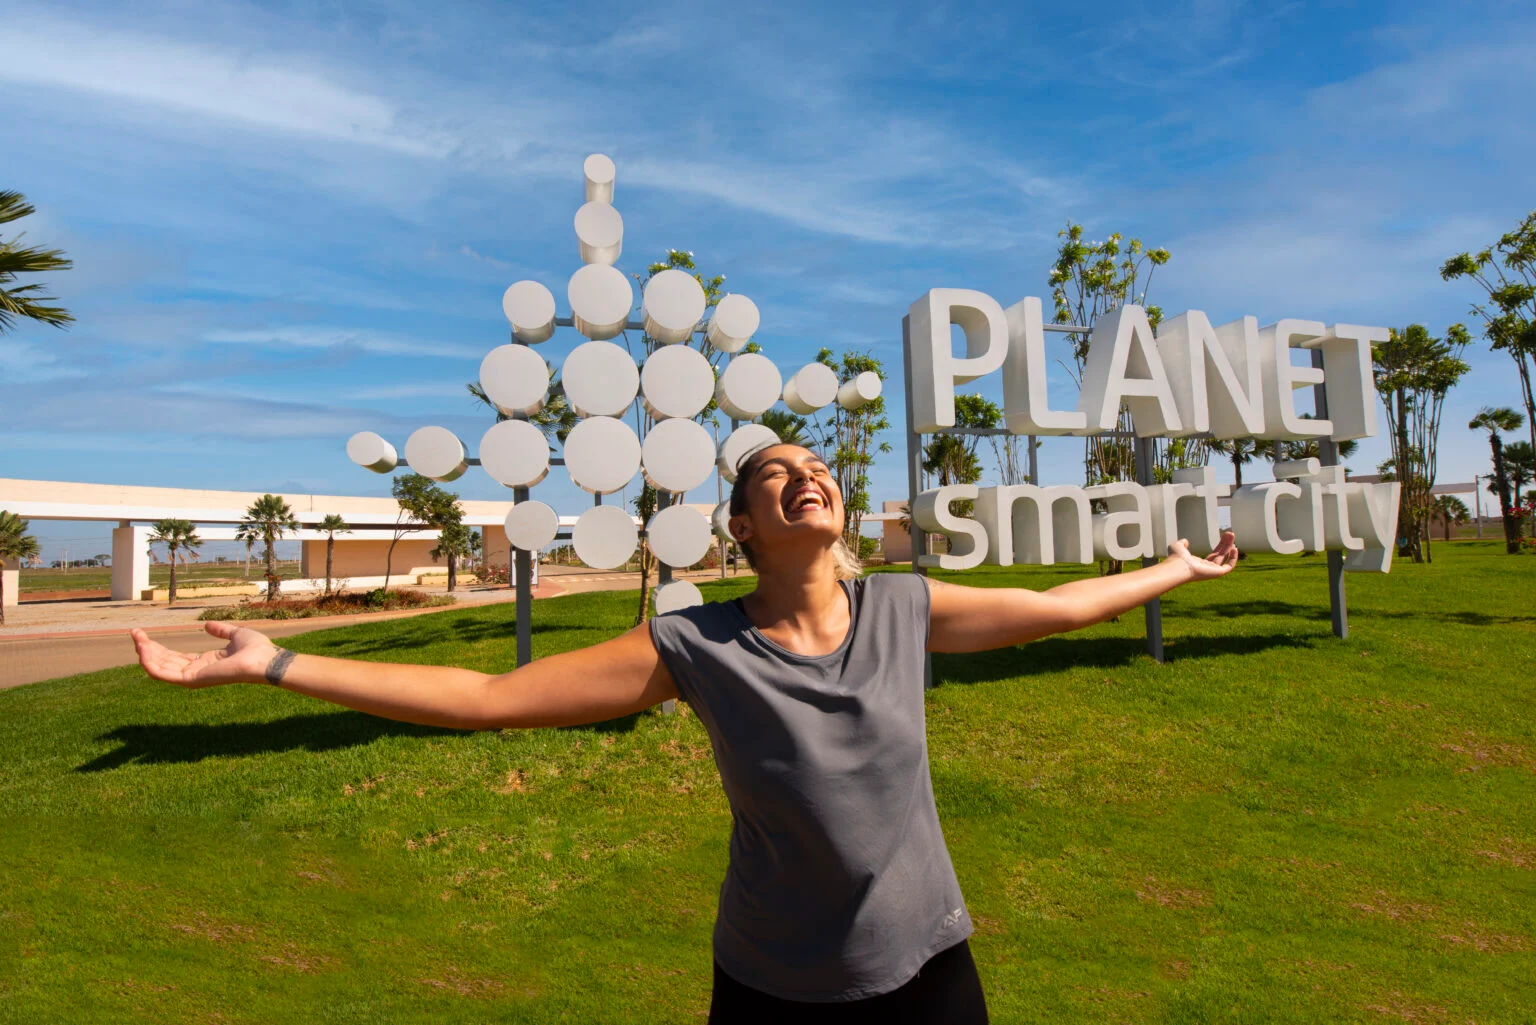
{"points": [[279, 665]]}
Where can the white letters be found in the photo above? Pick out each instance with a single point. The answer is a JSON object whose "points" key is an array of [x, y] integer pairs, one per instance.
{"points": [[967, 540], [1122, 345], [930, 354], [1198, 356], [1024, 391], [1350, 385], [1281, 376]]}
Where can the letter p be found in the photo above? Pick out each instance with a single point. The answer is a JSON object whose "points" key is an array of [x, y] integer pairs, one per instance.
{"points": [[930, 354]]}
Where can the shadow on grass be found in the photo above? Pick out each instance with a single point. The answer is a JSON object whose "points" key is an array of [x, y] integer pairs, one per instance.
{"points": [[1055, 654], [193, 742], [467, 633], [1269, 607]]}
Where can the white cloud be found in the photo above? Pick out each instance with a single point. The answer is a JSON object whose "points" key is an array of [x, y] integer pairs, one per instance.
{"points": [[314, 337]]}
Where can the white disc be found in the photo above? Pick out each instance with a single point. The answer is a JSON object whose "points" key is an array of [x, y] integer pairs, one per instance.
{"points": [[679, 536], [602, 454], [749, 387], [739, 443], [372, 452], [673, 304], [530, 307], [599, 171], [531, 525], [599, 233], [677, 381], [515, 454], [436, 452], [677, 594], [515, 379], [605, 537], [600, 379], [813, 386], [733, 323], [721, 521], [601, 298], [678, 455], [860, 390]]}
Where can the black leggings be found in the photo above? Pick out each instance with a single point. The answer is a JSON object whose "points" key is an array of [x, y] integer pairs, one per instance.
{"points": [[945, 991]]}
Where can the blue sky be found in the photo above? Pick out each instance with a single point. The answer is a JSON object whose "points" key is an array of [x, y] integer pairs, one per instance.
{"points": [[293, 222]]}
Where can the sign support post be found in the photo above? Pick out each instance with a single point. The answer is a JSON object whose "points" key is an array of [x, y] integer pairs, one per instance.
{"points": [[1328, 453], [1145, 461]]}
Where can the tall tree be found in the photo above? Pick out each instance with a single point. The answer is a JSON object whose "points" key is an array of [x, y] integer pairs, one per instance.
{"points": [[1088, 280], [851, 438], [1506, 272], [180, 540], [1241, 451], [791, 429], [267, 520], [16, 547], [332, 525], [1494, 421], [26, 301], [1520, 464], [1413, 373], [423, 505]]}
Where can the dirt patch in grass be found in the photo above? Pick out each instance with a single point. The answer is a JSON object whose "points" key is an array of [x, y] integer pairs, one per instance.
{"points": [[1511, 853], [1154, 892], [1470, 936], [456, 982], [1478, 753], [328, 605], [1388, 906], [1395, 1005]]}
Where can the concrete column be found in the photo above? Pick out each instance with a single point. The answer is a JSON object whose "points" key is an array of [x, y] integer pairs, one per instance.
{"points": [[130, 562], [12, 576]]}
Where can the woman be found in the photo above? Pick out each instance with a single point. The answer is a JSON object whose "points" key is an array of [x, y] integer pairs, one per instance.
{"points": [[840, 903]]}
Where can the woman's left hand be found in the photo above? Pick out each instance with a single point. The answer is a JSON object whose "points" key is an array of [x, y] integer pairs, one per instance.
{"points": [[1218, 563]]}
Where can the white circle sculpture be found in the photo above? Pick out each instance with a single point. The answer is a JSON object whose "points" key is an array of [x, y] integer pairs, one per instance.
{"points": [[676, 381], [721, 520], [740, 443], [813, 386], [678, 455], [530, 308], [673, 304], [749, 387], [605, 537], [600, 379], [531, 525], [372, 452], [515, 454], [679, 536], [599, 172], [676, 595], [602, 454], [599, 233], [601, 298], [859, 391], [515, 379], [733, 323], [436, 452]]}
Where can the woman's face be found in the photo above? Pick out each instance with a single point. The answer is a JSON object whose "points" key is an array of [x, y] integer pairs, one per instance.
{"points": [[792, 498]]}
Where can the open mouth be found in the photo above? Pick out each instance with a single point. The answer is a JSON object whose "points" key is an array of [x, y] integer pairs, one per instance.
{"points": [[805, 499]]}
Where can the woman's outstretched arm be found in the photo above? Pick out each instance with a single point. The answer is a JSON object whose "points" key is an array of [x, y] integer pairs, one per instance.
{"points": [[604, 681], [978, 618]]}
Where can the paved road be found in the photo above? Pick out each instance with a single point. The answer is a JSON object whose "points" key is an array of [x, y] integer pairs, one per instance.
{"points": [[94, 635]]}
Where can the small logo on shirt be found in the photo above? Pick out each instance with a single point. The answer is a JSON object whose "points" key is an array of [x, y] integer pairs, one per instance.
{"points": [[953, 918]]}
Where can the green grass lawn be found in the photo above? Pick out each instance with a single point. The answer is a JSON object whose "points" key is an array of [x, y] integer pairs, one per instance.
{"points": [[1273, 826], [34, 581]]}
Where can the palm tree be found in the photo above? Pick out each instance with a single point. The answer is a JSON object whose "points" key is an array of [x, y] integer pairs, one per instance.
{"points": [[1241, 451], [267, 520], [789, 427], [1450, 509], [555, 420], [177, 536], [332, 525], [1520, 462], [1493, 420], [16, 546], [26, 300], [248, 534]]}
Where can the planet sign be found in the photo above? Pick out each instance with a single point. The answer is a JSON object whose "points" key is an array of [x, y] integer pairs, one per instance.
{"points": [[1189, 377], [695, 356]]}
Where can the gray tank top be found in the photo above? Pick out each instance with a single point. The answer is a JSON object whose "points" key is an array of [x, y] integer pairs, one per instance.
{"points": [[839, 885]]}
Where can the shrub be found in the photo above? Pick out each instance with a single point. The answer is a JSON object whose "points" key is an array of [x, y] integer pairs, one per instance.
{"points": [[328, 605]]}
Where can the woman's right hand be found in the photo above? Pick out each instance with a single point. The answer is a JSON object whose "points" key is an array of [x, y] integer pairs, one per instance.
{"points": [[243, 660]]}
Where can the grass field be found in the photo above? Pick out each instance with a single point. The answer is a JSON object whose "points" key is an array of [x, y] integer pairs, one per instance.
{"points": [[35, 581], [1273, 826]]}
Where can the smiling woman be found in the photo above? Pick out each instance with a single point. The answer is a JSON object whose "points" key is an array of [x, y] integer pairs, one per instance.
{"points": [[840, 903]]}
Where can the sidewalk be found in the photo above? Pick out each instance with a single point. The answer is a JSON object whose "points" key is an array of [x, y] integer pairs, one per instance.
{"points": [[46, 640]]}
